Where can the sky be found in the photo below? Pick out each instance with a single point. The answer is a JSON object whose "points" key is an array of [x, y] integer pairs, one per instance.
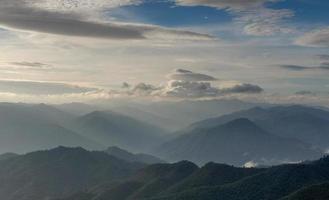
{"points": [[89, 50]]}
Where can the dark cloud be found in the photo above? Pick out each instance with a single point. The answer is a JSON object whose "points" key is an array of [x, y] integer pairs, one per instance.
{"points": [[36, 65], [244, 88], [186, 75], [323, 56], [190, 89], [18, 14], [323, 66], [40, 88], [305, 93], [294, 67]]}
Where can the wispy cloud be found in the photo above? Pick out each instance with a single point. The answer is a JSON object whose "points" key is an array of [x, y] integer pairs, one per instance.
{"points": [[257, 19], [315, 38], [41, 88]]}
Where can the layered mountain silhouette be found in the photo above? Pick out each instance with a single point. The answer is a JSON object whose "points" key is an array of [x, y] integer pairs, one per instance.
{"points": [[29, 127], [308, 124], [59, 172], [113, 129], [236, 142], [184, 180], [131, 157]]}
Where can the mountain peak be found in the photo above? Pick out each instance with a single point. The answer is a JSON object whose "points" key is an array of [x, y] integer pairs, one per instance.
{"points": [[241, 123]]}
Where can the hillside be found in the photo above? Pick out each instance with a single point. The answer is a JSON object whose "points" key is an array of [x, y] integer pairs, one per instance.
{"points": [[59, 172], [217, 181]]}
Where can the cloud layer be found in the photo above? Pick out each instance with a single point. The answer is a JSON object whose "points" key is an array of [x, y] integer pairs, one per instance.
{"points": [[40, 88], [187, 84]]}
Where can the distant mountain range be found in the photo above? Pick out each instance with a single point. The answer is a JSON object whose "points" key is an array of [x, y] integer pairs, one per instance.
{"points": [[28, 127], [237, 142], [168, 115], [185, 180], [307, 124]]}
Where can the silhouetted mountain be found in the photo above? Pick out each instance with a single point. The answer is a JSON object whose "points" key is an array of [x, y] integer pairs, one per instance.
{"points": [[113, 129], [310, 125], [27, 128], [59, 172], [7, 156], [127, 156], [236, 142], [314, 192], [182, 181], [272, 184]]}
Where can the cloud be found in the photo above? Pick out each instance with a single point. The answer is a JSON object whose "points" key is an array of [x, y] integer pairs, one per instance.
{"points": [[323, 56], [305, 93], [323, 66], [31, 65], [40, 88], [64, 17], [244, 88], [187, 84], [224, 4], [316, 38], [264, 21], [185, 75], [256, 18], [294, 67]]}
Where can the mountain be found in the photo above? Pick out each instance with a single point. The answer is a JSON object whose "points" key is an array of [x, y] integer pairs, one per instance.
{"points": [[183, 180], [148, 182], [127, 156], [175, 115], [308, 124], [272, 184], [237, 142], [58, 173], [113, 129], [314, 192], [7, 156], [29, 127]]}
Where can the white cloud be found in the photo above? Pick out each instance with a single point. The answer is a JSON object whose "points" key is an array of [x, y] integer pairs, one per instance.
{"points": [[187, 84], [316, 38]]}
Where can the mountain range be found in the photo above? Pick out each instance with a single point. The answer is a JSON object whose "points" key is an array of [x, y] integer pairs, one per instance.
{"points": [[307, 124], [30, 127], [185, 180], [237, 142]]}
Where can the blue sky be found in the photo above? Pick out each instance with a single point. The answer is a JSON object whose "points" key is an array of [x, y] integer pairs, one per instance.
{"points": [[255, 49]]}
